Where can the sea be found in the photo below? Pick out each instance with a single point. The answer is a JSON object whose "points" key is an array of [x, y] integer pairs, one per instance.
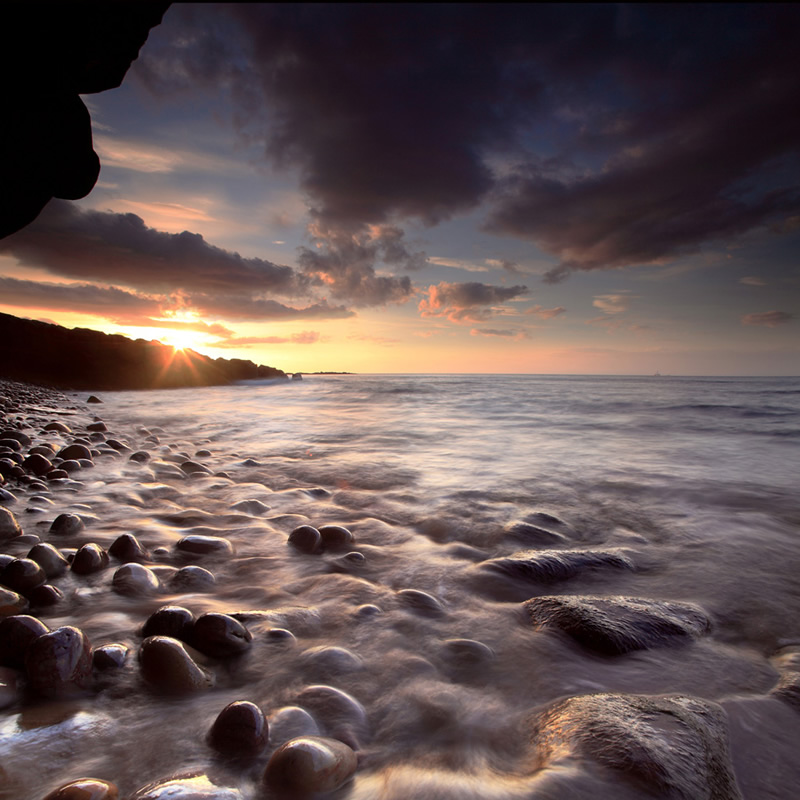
{"points": [[694, 482]]}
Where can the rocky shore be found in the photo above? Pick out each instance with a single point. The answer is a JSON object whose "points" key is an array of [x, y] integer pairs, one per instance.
{"points": [[136, 611]]}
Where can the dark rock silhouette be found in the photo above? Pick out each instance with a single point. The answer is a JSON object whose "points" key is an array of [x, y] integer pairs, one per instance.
{"points": [[50, 355], [51, 54]]}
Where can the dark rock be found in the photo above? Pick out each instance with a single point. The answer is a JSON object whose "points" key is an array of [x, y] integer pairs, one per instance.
{"points": [[135, 579], [117, 445], [71, 465], [616, 625], [67, 525], [140, 457], [109, 656], [49, 559], [310, 764], [192, 579], [467, 652], [306, 539], [289, 722], [74, 451], [193, 468], [85, 789], [93, 399], [335, 537], [197, 544], [173, 621], [670, 746], [45, 595], [16, 634], [341, 714], [220, 636], [89, 558], [59, 663], [535, 535], [240, 729], [551, 566], [18, 436], [57, 474], [58, 426], [22, 575], [11, 603], [9, 527], [37, 464], [96, 426], [126, 547], [167, 666], [11, 444], [420, 601]]}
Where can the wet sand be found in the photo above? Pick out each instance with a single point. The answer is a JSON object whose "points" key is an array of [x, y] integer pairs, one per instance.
{"points": [[536, 661]]}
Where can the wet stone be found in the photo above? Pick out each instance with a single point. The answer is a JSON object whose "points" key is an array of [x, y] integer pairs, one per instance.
{"points": [[49, 559], [535, 534], [192, 579], [290, 722], [11, 603], [85, 789], [310, 764], [467, 652], [90, 558], [672, 746], [7, 497], [204, 545], [58, 426], [135, 579], [341, 714], [193, 468], [45, 595], [253, 507], [173, 621], [59, 663], [239, 730], [70, 465], [220, 636], [74, 451], [16, 634], [167, 666], [96, 426], [57, 474], [9, 527], [335, 537], [186, 787], [331, 660], [93, 399], [117, 445], [306, 539], [126, 547], [22, 574], [617, 625], [109, 656], [140, 457], [67, 525], [420, 602], [550, 566], [37, 464]]}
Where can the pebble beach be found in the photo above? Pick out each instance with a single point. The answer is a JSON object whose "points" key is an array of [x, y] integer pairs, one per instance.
{"points": [[185, 614]]}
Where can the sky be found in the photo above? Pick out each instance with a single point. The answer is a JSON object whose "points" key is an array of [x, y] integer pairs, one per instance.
{"points": [[577, 189]]}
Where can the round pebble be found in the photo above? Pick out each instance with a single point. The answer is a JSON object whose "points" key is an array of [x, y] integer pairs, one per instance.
{"points": [[45, 595], [335, 537], [168, 667], [49, 559], [22, 574], [421, 602], [310, 764], [306, 539], [74, 451], [89, 558], [85, 789], [37, 464], [173, 621], [58, 426], [220, 636], [9, 527], [240, 729], [16, 634], [60, 662], [134, 579], [67, 525], [290, 722], [11, 603], [192, 579], [109, 656], [203, 545], [126, 547]]}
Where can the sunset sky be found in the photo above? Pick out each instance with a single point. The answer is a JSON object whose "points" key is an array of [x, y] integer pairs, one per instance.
{"points": [[442, 188]]}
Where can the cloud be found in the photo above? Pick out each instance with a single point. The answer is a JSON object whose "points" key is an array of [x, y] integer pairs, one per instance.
{"points": [[466, 302], [120, 248], [546, 313], [84, 298], [751, 280], [456, 263], [769, 319], [504, 334], [304, 337], [612, 136], [612, 303]]}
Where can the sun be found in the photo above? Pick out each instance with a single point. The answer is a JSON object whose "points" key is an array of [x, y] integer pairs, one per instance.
{"points": [[180, 340]]}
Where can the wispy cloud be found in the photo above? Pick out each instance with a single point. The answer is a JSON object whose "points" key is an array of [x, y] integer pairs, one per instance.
{"points": [[467, 302], [769, 319], [517, 335], [752, 280], [612, 303], [546, 313]]}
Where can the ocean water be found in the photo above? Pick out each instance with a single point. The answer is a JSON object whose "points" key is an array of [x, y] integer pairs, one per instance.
{"points": [[691, 482]]}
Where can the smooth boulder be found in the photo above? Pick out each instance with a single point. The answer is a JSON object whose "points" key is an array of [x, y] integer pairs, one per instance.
{"points": [[240, 730], [310, 764], [59, 663], [9, 527], [167, 666], [220, 636]]}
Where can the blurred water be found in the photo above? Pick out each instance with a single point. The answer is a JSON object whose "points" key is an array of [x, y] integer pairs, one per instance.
{"points": [[695, 479]]}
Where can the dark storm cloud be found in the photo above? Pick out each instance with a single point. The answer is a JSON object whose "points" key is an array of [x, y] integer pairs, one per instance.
{"points": [[466, 302], [83, 298], [120, 248], [610, 135]]}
